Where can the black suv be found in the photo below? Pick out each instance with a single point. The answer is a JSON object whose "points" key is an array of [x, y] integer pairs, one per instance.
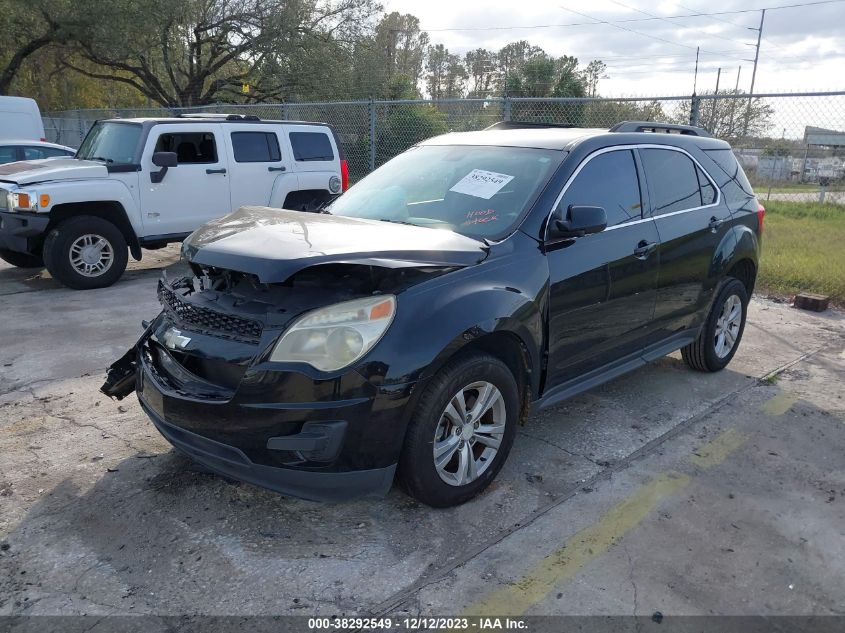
{"points": [[410, 327]]}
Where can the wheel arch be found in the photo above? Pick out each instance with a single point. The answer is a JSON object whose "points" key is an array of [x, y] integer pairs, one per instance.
{"points": [[109, 210], [738, 256], [507, 346]]}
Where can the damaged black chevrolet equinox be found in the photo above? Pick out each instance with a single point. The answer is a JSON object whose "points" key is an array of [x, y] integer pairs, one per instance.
{"points": [[407, 329]]}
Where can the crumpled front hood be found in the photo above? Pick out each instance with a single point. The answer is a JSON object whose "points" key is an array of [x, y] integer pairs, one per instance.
{"points": [[26, 172], [275, 243]]}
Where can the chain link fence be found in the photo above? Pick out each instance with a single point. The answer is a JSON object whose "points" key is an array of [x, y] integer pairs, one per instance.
{"points": [[792, 145]]}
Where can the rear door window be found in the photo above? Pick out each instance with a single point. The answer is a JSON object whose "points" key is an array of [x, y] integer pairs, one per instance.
{"points": [[311, 146], [675, 181], [610, 181], [256, 147]]}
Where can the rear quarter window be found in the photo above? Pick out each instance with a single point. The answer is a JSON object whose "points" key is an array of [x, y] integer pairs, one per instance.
{"points": [[311, 146], [730, 177]]}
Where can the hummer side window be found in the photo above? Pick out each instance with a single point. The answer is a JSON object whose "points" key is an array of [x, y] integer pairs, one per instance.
{"points": [[311, 146], [256, 147], [190, 147]]}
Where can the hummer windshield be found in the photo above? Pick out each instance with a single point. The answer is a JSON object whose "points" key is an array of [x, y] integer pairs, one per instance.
{"points": [[111, 142]]}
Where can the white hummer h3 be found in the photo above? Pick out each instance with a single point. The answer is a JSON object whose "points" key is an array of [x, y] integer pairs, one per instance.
{"points": [[143, 183]]}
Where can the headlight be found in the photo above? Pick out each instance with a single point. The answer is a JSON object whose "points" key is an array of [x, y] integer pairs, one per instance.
{"points": [[23, 201], [336, 336]]}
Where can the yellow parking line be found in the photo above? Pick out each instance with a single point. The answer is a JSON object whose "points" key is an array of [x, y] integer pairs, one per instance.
{"points": [[593, 541], [583, 547], [779, 404], [717, 451]]}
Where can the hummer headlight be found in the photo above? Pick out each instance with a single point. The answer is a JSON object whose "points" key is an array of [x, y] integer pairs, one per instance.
{"points": [[23, 201]]}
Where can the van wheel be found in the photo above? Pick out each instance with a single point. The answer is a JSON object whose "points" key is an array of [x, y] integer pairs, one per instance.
{"points": [[461, 431], [21, 260], [86, 252], [720, 336]]}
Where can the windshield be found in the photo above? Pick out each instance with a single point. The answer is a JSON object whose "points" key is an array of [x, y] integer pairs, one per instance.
{"points": [[478, 191], [111, 142]]}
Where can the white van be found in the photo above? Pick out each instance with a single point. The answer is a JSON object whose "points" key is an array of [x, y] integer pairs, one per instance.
{"points": [[20, 118]]}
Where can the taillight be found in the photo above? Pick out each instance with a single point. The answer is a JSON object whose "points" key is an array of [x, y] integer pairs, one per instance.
{"points": [[43, 139], [344, 175], [761, 213]]}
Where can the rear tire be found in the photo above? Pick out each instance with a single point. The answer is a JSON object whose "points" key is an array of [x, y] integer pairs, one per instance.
{"points": [[86, 252], [21, 260], [473, 437], [722, 331]]}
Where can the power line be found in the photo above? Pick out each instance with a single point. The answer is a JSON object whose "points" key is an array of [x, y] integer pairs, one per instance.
{"points": [[630, 20], [669, 21], [630, 30], [754, 28]]}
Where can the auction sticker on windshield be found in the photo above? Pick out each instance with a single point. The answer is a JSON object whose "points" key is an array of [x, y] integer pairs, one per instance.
{"points": [[481, 183]]}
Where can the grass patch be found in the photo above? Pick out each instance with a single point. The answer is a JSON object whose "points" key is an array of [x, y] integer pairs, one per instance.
{"points": [[804, 249]]}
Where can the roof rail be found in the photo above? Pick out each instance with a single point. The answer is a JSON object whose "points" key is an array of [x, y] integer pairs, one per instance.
{"points": [[221, 117], [656, 126], [519, 125]]}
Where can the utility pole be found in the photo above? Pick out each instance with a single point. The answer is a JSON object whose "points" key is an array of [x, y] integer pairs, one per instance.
{"points": [[695, 75], [733, 103], [695, 104], [757, 50], [715, 98], [754, 71]]}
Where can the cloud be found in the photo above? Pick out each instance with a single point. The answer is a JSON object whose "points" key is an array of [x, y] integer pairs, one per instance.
{"points": [[801, 49]]}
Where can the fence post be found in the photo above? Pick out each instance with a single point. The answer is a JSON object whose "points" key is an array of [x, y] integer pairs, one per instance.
{"points": [[506, 109], [695, 110], [372, 134], [284, 112], [79, 122]]}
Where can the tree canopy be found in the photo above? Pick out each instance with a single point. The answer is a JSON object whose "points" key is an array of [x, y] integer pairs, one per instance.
{"points": [[181, 53]]}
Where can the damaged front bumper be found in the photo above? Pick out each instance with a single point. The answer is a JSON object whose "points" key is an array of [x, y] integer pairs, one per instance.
{"points": [[310, 436]]}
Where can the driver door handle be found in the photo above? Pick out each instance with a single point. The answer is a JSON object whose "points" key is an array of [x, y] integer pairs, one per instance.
{"points": [[715, 223], [644, 249], [279, 168], [216, 171]]}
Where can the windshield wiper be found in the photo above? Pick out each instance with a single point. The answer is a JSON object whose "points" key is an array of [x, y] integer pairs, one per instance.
{"points": [[105, 160], [395, 221]]}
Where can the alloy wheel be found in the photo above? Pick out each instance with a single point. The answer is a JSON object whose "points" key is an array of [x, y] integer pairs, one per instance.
{"points": [[727, 326], [469, 433], [91, 255]]}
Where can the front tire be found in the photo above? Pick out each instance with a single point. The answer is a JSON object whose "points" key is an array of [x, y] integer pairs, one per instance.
{"points": [[21, 260], [86, 252], [720, 336], [461, 431]]}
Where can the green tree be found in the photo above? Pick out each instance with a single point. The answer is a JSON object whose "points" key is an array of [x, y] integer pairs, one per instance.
{"points": [[193, 52], [731, 117], [482, 69], [27, 27], [391, 59]]}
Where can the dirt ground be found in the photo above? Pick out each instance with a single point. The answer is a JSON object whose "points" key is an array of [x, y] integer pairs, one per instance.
{"points": [[665, 490]]}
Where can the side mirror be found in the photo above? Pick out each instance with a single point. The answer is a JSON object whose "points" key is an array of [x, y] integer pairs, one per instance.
{"points": [[163, 160], [577, 221]]}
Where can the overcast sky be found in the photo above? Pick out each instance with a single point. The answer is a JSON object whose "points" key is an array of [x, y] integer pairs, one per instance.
{"points": [[803, 48]]}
